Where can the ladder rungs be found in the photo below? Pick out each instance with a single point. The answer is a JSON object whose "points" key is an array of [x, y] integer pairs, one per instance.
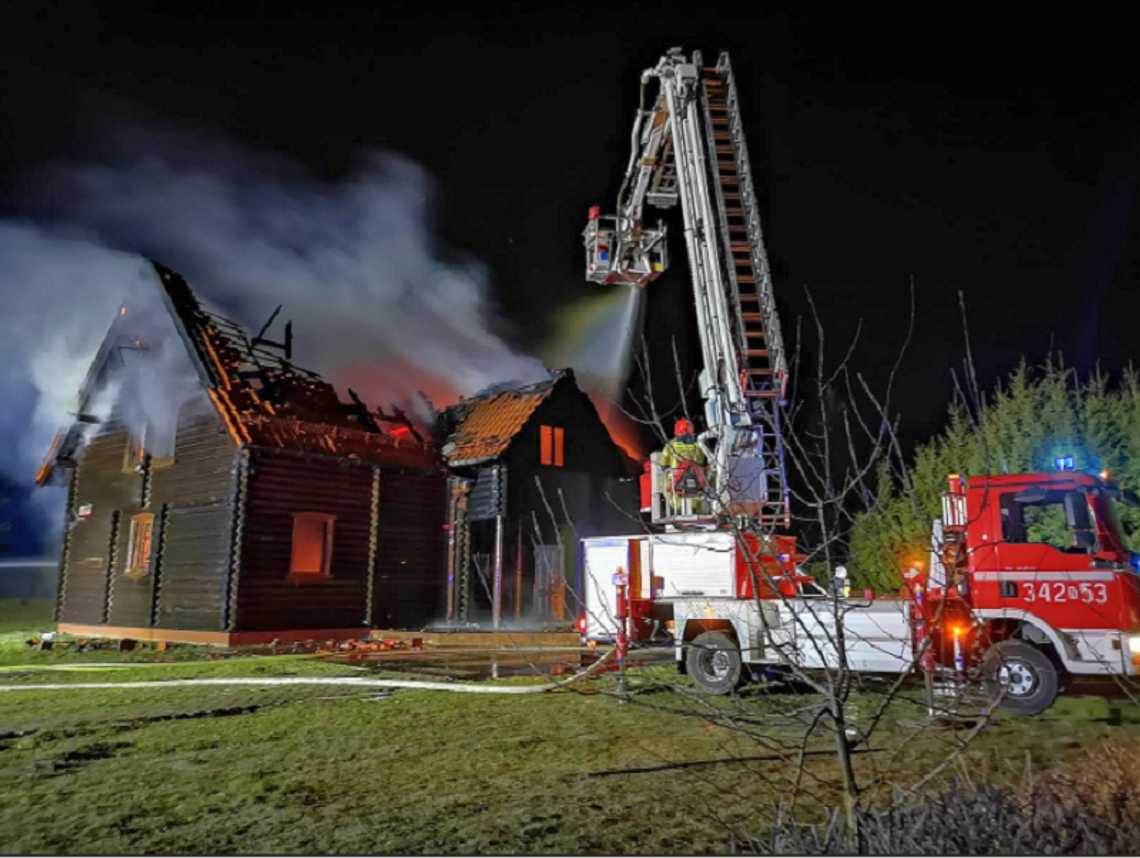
{"points": [[759, 353], [752, 317]]}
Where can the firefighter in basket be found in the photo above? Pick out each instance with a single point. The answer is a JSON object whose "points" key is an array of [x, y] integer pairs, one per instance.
{"points": [[685, 468]]}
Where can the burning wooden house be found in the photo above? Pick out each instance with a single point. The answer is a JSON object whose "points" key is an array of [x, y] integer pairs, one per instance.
{"points": [[534, 469], [219, 493]]}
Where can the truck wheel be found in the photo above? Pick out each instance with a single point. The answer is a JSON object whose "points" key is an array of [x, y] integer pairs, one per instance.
{"points": [[714, 663], [1026, 675]]}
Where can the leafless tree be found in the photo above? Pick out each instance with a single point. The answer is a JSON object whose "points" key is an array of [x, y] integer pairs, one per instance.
{"points": [[840, 434], [823, 736]]}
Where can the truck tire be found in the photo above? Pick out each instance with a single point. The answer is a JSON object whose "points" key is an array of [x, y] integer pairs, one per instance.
{"points": [[714, 663], [1028, 677]]}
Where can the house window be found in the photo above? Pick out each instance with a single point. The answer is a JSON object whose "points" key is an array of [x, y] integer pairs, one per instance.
{"points": [[312, 543], [138, 549], [135, 453], [552, 446]]}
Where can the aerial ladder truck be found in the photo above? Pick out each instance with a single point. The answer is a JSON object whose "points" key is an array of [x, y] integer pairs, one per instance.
{"points": [[689, 148], [712, 569]]}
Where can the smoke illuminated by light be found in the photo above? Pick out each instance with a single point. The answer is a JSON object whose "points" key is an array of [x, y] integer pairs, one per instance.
{"points": [[595, 336]]}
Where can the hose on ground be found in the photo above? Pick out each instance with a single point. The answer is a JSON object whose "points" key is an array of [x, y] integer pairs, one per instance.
{"points": [[349, 681]]}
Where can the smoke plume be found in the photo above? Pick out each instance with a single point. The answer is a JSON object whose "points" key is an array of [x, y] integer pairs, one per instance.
{"points": [[375, 300], [154, 376], [354, 262], [58, 295]]}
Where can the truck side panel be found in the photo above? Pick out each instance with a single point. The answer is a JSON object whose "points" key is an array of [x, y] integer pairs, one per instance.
{"points": [[601, 559], [695, 564], [876, 639]]}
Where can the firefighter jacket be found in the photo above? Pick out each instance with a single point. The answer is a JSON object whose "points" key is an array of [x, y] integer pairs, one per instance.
{"points": [[680, 452], [679, 457]]}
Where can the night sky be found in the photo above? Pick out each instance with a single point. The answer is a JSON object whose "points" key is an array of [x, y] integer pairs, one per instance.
{"points": [[996, 156]]}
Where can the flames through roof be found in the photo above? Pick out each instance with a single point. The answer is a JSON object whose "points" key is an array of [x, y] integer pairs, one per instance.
{"points": [[262, 397]]}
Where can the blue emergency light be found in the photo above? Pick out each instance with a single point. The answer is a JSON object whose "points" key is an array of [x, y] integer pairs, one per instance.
{"points": [[1063, 463]]}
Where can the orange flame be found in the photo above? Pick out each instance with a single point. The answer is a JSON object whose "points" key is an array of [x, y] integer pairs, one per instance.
{"points": [[623, 430]]}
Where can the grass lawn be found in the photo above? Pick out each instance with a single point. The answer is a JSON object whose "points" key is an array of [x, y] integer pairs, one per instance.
{"points": [[328, 769], [21, 616]]}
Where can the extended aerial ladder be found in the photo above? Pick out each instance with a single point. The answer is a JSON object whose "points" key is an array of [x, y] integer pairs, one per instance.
{"points": [[689, 147]]}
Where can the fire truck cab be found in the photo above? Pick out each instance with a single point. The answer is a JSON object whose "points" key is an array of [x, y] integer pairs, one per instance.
{"points": [[1033, 573]]}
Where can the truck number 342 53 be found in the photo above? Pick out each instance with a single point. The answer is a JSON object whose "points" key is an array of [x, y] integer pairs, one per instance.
{"points": [[1059, 591]]}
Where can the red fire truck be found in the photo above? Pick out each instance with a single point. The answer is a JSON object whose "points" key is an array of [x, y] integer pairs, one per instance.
{"points": [[1029, 587], [1034, 582]]}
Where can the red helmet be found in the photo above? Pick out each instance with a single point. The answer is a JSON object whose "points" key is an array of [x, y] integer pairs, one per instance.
{"points": [[682, 427]]}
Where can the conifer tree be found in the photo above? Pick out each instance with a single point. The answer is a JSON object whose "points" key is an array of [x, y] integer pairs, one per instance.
{"points": [[1036, 415]]}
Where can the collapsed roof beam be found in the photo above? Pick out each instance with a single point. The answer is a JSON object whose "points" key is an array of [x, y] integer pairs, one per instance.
{"points": [[286, 347]]}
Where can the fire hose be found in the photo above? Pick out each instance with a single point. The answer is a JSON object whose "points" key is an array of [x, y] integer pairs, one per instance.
{"points": [[351, 681]]}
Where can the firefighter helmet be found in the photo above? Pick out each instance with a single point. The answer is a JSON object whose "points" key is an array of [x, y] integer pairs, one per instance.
{"points": [[682, 427]]}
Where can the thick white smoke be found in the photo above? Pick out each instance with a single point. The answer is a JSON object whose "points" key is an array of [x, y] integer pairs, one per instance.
{"points": [[59, 293], [152, 371], [354, 262]]}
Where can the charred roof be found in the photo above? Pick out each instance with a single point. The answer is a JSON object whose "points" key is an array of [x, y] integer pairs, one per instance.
{"points": [[263, 398], [483, 427]]}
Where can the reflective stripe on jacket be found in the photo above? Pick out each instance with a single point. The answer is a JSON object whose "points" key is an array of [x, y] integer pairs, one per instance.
{"points": [[678, 453]]}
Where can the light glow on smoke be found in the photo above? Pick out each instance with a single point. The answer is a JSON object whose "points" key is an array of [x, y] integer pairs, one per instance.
{"points": [[595, 335]]}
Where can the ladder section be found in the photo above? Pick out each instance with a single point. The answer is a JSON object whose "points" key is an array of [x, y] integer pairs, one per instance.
{"points": [[763, 362], [663, 186]]}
